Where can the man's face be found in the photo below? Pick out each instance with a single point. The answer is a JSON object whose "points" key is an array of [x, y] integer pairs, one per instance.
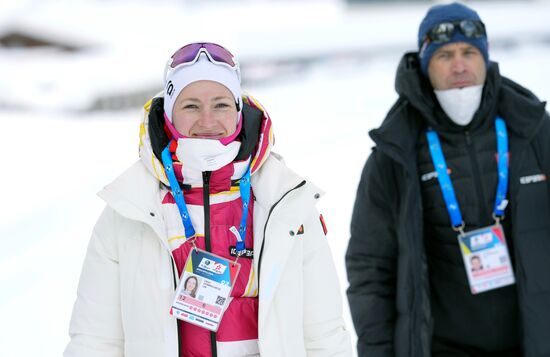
{"points": [[476, 264], [456, 65]]}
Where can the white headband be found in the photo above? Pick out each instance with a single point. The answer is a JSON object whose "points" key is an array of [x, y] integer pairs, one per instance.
{"points": [[202, 70]]}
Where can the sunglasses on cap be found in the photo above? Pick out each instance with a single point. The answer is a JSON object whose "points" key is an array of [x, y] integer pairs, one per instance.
{"points": [[189, 54], [443, 32]]}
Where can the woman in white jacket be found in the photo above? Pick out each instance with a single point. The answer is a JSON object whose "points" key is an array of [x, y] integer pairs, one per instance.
{"points": [[268, 288]]}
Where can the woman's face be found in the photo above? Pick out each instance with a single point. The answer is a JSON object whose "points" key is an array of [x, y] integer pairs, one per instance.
{"points": [[205, 109], [190, 284]]}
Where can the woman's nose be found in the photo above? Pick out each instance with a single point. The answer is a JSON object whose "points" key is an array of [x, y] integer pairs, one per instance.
{"points": [[207, 118]]}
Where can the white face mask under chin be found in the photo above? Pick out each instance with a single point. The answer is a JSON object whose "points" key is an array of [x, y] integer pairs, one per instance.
{"points": [[201, 155], [460, 104]]}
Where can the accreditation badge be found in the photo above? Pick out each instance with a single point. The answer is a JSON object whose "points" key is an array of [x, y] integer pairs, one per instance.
{"points": [[204, 289], [486, 259]]}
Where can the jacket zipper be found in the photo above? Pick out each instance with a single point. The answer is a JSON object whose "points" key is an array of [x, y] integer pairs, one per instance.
{"points": [[265, 226], [206, 205], [477, 174]]}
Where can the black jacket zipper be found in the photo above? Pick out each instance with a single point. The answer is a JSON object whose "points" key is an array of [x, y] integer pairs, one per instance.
{"points": [[477, 175], [265, 227], [206, 205]]}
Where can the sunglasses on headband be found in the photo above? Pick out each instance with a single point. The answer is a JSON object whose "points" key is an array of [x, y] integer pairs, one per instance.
{"points": [[189, 54], [444, 31]]}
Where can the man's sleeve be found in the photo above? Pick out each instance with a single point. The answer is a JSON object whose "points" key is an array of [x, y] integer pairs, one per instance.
{"points": [[371, 258]]}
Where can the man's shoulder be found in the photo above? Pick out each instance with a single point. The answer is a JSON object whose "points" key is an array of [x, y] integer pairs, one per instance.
{"points": [[399, 128], [514, 89], [523, 111], [398, 115]]}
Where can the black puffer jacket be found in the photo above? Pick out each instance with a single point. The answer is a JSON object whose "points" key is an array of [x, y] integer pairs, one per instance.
{"points": [[387, 265]]}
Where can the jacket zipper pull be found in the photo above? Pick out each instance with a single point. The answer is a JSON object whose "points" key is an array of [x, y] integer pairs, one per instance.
{"points": [[206, 177]]}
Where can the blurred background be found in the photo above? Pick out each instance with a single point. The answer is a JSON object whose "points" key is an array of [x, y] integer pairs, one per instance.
{"points": [[75, 74]]}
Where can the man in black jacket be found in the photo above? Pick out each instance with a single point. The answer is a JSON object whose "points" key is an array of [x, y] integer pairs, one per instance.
{"points": [[459, 170]]}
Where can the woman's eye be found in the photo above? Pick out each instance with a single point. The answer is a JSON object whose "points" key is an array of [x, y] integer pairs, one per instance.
{"points": [[222, 105], [190, 106]]}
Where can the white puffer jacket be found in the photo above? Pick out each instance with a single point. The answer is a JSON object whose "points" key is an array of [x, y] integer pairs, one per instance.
{"points": [[127, 283]]}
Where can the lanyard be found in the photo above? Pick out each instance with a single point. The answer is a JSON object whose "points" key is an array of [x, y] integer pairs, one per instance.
{"points": [[446, 185], [244, 187]]}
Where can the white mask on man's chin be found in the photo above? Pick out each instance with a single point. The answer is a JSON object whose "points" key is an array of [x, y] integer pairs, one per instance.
{"points": [[205, 154], [460, 104]]}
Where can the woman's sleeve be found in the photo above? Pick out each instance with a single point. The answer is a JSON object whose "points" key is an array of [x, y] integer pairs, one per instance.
{"points": [[324, 330], [96, 327], [371, 258]]}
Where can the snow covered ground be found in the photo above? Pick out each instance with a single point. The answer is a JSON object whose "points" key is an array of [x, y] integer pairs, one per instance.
{"points": [[55, 162]]}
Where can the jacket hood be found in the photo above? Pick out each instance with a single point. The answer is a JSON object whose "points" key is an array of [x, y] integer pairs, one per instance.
{"points": [[411, 85], [256, 136]]}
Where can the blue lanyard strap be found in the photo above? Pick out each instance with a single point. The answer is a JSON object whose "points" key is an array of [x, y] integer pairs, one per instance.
{"points": [[444, 179], [446, 185], [244, 187], [177, 192], [502, 188]]}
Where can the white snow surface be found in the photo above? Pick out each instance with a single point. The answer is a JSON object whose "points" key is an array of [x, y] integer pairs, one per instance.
{"points": [[56, 160]]}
